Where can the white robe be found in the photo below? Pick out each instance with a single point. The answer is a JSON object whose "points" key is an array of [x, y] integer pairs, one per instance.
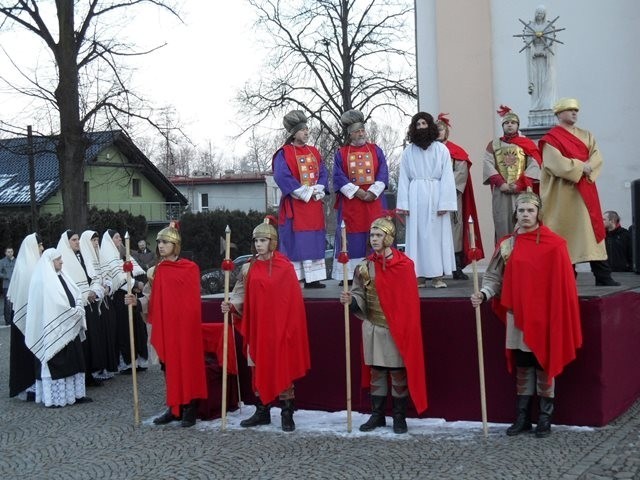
{"points": [[426, 186]]}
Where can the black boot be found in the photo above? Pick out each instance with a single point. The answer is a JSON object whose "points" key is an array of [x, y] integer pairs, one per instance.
{"points": [[189, 413], [262, 416], [543, 428], [377, 418], [166, 417], [288, 425], [602, 271], [523, 418], [400, 414], [458, 274]]}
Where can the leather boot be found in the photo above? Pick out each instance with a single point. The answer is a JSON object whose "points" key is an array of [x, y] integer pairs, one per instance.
{"points": [[400, 414], [166, 417], [189, 413], [458, 274], [523, 416], [288, 425], [543, 428], [262, 416], [377, 418]]}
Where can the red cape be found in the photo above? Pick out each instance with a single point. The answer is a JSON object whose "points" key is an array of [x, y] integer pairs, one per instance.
{"points": [[468, 209], [398, 293], [274, 326], [539, 287], [571, 146], [176, 334]]}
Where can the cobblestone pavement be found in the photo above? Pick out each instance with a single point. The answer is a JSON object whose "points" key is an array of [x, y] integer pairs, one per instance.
{"points": [[98, 441]]}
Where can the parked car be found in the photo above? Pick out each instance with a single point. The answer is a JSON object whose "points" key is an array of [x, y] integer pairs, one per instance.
{"points": [[212, 281]]}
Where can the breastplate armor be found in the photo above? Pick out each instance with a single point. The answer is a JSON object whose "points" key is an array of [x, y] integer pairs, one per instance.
{"points": [[374, 311], [510, 160]]}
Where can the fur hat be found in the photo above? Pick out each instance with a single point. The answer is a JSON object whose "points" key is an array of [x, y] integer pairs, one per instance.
{"points": [[352, 120], [294, 121]]}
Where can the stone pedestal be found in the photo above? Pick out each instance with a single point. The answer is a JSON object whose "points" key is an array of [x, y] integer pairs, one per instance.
{"points": [[542, 118], [536, 133]]}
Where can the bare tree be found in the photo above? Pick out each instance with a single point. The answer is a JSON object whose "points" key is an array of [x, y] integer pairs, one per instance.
{"points": [[262, 147], [90, 84], [330, 56], [208, 163]]}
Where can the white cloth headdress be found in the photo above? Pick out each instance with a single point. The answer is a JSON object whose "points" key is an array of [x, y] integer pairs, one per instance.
{"points": [[71, 266], [90, 254], [112, 263], [18, 292]]}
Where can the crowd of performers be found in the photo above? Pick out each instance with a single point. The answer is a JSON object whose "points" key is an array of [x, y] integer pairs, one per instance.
{"points": [[70, 303], [69, 323]]}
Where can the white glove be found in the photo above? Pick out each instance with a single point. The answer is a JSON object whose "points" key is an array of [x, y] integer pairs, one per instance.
{"points": [[303, 193]]}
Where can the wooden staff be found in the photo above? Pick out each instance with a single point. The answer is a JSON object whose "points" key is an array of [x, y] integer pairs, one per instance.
{"points": [[225, 334], [483, 395], [132, 345], [347, 333]]}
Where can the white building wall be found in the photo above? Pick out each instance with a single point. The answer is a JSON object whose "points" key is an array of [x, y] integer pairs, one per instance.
{"points": [[478, 67], [598, 64], [231, 196]]}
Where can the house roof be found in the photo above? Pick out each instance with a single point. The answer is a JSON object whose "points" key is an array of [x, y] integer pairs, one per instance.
{"points": [[14, 171], [227, 178]]}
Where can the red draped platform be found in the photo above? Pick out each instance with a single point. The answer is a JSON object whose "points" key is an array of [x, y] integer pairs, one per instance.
{"points": [[593, 390]]}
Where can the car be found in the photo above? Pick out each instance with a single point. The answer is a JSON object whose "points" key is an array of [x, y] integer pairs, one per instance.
{"points": [[212, 281]]}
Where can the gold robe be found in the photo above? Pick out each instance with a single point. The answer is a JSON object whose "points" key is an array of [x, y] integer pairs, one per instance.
{"points": [[563, 209]]}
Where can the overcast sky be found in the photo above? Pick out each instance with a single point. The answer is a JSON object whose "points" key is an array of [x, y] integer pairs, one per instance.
{"points": [[204, 63]]}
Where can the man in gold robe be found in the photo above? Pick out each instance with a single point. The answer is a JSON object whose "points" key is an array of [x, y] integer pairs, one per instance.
{"points": [[571, 206]]}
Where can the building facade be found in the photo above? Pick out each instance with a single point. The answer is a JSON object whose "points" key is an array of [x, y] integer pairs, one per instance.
{"points": [[468, 63]]}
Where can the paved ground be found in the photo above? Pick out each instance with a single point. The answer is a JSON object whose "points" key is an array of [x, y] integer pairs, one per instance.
{"points": [[98, 441]]}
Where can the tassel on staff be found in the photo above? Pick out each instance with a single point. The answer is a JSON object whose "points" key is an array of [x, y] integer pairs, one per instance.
{"points": [[128, 268], [343, 258], [476, 289]]}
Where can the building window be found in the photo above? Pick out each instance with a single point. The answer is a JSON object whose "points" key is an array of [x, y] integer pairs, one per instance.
{"points": [[136, 187], [86, 193], [204, 202]]}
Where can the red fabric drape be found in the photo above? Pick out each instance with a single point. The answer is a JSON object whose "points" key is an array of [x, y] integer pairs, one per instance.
{"points": [[213, 341], [539, 287], [274, 326], [176, 333], [468, 209], [398, 293], [571, 146]]}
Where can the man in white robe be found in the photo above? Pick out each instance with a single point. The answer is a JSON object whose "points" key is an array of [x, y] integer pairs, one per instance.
{"points": [[427, 195]]}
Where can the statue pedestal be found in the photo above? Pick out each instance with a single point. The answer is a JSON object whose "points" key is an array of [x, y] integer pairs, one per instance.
{"points": [[542, 118], [536, 133]]}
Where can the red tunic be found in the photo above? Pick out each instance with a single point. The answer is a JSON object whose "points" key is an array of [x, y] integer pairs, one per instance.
{"points": [[274, 326], [357, 214], [539, 287], [176, 333], [398, 293], [571, 146], [468, 208], [306, 216]]}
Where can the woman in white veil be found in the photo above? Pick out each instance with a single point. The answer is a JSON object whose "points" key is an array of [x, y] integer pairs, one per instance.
{"points": [[54, 332]]}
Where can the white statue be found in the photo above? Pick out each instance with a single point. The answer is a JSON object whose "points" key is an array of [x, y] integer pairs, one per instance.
{"points": [[539, 36]]}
